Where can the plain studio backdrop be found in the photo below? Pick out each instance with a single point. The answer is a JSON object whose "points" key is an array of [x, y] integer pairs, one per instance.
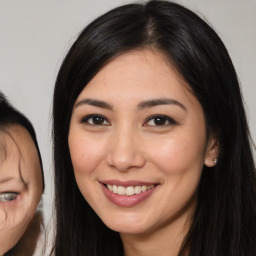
{"points": [[36, 34]]}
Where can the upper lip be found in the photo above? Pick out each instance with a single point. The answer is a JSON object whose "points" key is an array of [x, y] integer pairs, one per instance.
{"points": [[127, 183]]}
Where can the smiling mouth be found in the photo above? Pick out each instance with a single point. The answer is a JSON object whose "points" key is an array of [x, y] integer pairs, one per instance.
{"points": [[128, 191]]}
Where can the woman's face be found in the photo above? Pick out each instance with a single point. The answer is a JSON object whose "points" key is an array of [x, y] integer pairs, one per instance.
{"points": [[138, 144], [20, 184]]}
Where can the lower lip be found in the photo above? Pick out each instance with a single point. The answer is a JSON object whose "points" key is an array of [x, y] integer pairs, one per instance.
{"points": [[127, 201]]}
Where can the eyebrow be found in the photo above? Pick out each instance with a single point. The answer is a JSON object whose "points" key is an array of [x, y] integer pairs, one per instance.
{"points": [[96, 103], [142, 105], [158, 102]]}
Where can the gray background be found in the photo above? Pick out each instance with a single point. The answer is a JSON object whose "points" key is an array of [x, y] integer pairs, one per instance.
{"points": [[36, 34]]}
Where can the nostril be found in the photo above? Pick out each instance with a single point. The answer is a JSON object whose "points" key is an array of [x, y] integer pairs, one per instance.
{"points": [[124, 163], [125, 153]]}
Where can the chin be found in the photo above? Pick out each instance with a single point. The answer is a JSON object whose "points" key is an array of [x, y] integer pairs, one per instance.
{"points": [[127, 227]]}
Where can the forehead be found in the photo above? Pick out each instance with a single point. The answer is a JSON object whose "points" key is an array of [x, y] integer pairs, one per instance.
{"points": [[8, 146], [136, 65], [139, 75], [17, 142]]}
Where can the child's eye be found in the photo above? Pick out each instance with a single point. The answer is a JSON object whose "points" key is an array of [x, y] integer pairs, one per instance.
{"points": [[159, 120], [8, 196], [95, 120]]}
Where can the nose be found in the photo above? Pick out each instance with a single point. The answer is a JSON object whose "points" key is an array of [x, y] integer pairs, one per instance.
{"points": [[125, 151]]}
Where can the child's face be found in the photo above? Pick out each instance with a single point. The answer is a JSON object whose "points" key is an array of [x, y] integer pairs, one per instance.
{"points": [[20, 184]]}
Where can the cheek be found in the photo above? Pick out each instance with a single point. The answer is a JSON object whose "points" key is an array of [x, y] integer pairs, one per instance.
{"points": [[178, 154], [14, 221], [17, 214], [35, 188], [180, 159], [85, 154], [3, 216], [10, 237]]}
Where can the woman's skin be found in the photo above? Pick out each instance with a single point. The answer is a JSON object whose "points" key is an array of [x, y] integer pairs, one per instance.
{"points": [[20, 185], [136, 124]]}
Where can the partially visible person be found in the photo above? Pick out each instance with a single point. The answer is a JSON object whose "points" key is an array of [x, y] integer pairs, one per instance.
{"points": [[21, 183]]}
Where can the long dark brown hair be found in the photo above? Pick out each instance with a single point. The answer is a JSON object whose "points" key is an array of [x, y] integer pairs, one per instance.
{"points": [[224, 222]]}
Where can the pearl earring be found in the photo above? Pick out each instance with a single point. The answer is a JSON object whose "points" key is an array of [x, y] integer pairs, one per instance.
{"points": [[215, 160]]}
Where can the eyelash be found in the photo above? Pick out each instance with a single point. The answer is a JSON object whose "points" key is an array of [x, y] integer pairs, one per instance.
{"points": [[164, 118], [8, 196], [104, 122], [86, 119]]}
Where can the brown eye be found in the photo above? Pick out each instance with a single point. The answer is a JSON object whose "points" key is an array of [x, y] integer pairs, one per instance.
{"points": [[95, 120], [159, 120]]}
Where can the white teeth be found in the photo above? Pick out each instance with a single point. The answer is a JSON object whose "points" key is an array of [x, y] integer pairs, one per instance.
{"points": [[143, 188], [110, 187], [149, 187], [128, 191], [121, 190], [115, 189], [137, 190]]}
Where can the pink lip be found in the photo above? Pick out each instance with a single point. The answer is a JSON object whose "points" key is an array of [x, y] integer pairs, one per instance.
{"points": [[126, 201]]}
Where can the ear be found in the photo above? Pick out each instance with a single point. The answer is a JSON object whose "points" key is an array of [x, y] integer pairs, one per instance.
{"points": [[212, 152]]}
